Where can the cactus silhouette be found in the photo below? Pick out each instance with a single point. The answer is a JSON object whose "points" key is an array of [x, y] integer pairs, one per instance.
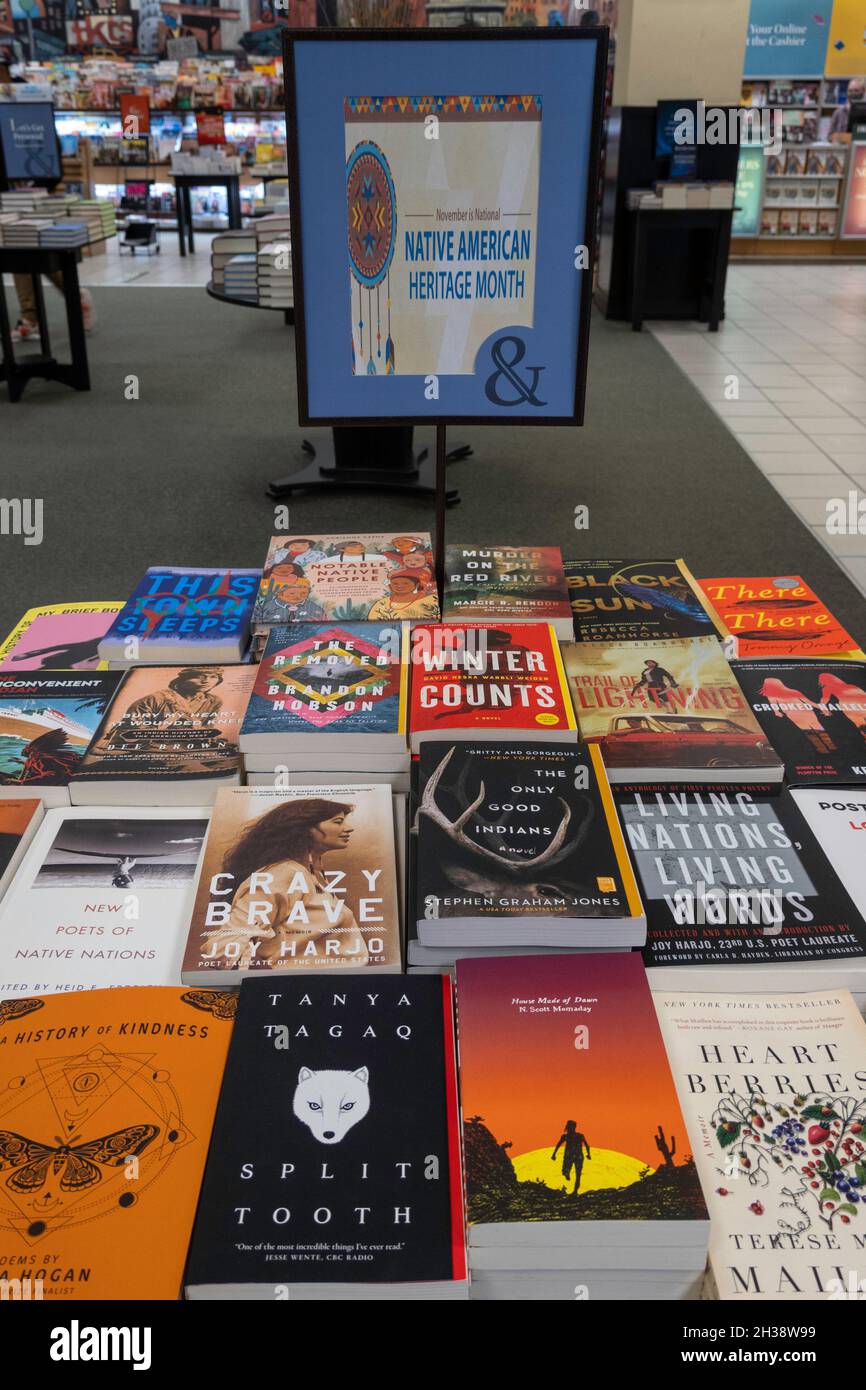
{"points": [[667, 1151]]}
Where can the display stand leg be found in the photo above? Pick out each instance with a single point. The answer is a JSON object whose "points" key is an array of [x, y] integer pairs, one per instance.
{"points": [[178, 207], [441, 503], [323, 470]]}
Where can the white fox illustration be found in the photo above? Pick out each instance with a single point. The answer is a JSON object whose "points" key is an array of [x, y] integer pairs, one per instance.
{"points": [[331, 1102]]}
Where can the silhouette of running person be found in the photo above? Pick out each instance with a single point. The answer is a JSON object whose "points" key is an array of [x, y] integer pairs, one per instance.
{"points": [[572, 1143]]}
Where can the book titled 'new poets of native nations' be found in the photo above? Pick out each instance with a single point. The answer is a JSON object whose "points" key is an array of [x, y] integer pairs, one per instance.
{"points": [[814, 714], [777, 617], [519, 844], [177, 614], [60, 636], [508, 583], [740, 893], [668, 712], [347, 1182], [106, 1107], [772, 1088], [637, 601], [46, 723], [296, 880]]}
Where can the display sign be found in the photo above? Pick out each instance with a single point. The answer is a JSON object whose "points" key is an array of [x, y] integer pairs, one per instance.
{"points": [[134, 114], [788, 38], [749, 191], [28, 141], [846, 49], [210, 127], [854, 214], [442, 235]]}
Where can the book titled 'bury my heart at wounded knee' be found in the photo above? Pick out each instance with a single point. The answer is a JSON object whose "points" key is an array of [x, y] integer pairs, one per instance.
{"points": [[178, 615], [334, 1168]]}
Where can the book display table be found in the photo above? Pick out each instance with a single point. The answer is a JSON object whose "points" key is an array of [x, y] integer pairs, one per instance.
{"points": [[36, 262], [183, 183]]}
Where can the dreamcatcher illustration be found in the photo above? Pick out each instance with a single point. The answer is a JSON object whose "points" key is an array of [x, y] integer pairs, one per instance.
{"points": [[372, 214]]}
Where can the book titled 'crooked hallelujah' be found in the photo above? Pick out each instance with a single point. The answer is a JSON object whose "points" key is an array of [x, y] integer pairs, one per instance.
{"points": [[106, 1107], [814, 714], [334, 1169], [177, 614], [668, 712], [507, 583]]}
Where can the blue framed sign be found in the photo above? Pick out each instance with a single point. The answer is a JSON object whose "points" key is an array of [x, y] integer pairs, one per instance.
{"points": [[443, 193], [787, 38], [28, 141]]}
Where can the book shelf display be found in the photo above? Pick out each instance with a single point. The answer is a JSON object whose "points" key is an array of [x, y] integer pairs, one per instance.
{"points": [[807, 103]]}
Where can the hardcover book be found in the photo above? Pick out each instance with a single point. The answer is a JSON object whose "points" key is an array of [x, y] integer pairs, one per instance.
{"points": [[489, 682], [772, 1091], [519, 844], [169, 735], [46, 725], [102, 898], [508, 583], [837, 819], [298, 880], [637, 601], [177, 615], [572, 1131], [332, 688], [334, 1167], [667, 712], [814, 714], [106, 1108], [60, 636], [19, 821], [739, 894], [369, 577], [777, 617]]}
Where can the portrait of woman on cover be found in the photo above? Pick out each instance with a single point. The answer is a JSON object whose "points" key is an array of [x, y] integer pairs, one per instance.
{"points": [[277, 924]]}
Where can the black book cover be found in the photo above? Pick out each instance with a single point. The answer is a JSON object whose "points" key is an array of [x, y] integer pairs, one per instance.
{"points": [[730, 878], [814, 714], [335, 1151], [47, 721], [635, 601], [518, 830]]}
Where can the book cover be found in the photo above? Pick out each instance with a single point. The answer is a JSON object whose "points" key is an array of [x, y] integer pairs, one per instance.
{"points": [[814, 714], [178, 608], [19, 819], [837, 819], [296, 879], [778, 616], [569, 1108], [106, 1108], [510, 583], [60, 636], [348, 1171], [102, 898], [519, 830], [772, 1091], [667, 706], [370, 577], [731, 878], [47, 723], [316, 678], [636, 601], [168, 722], [498, 680]]}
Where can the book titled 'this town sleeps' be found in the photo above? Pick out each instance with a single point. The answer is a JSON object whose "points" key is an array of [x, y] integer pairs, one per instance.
{"points": [[507, 583], [176, 615], [346, 1183]]}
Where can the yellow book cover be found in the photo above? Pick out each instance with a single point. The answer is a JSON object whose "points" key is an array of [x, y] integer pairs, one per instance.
{"points": [[59, 637]]}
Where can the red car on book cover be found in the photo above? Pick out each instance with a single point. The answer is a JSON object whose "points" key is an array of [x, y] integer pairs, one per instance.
{"points": [[680, 740]]}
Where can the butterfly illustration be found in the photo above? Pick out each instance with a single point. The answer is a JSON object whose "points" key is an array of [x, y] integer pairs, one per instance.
{"points": [[219, 1002], [34, 1162], [17, 1008]]}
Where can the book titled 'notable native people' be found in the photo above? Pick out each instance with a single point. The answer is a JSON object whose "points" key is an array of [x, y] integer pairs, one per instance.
{"points": [[506, 583], [178, 615]]}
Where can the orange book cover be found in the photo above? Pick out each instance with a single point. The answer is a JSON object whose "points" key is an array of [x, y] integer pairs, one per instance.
{"points": [[106, 1108], [778, 616]]}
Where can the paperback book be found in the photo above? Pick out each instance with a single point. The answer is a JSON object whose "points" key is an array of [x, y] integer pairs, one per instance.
{"points": [[296, 880], [814, 714], [106, 1108], [837, 819], [668, 712], [180, 615], [170, 735], [19, 821], [46, 724], [740, 894], [772, 1092], [60, 636], [519, 844], [331, 688], [511, 584], [637, 601], [102, 898], [778, 616], [471, 680], [349, 1186]]}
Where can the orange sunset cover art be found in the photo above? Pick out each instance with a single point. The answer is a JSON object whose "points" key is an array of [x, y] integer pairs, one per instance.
{"points": [[570, 1112]]}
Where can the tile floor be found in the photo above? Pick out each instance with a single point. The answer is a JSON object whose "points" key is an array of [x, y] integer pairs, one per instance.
{"points": [[786, 372]]}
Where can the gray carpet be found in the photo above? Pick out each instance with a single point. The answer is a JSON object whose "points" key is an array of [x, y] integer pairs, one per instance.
{"points": [[179, 476]]}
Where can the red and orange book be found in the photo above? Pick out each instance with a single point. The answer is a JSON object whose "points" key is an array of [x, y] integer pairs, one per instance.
{"points": [[778, 616]]}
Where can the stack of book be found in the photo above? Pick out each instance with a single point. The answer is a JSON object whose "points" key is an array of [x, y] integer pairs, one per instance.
{"points": [[239, 276], [579, 1178], [27, 231], [100, 216], [47, 721], [178, 614], [65, 233], [274, 275], [22, 201], [224, 248]]}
